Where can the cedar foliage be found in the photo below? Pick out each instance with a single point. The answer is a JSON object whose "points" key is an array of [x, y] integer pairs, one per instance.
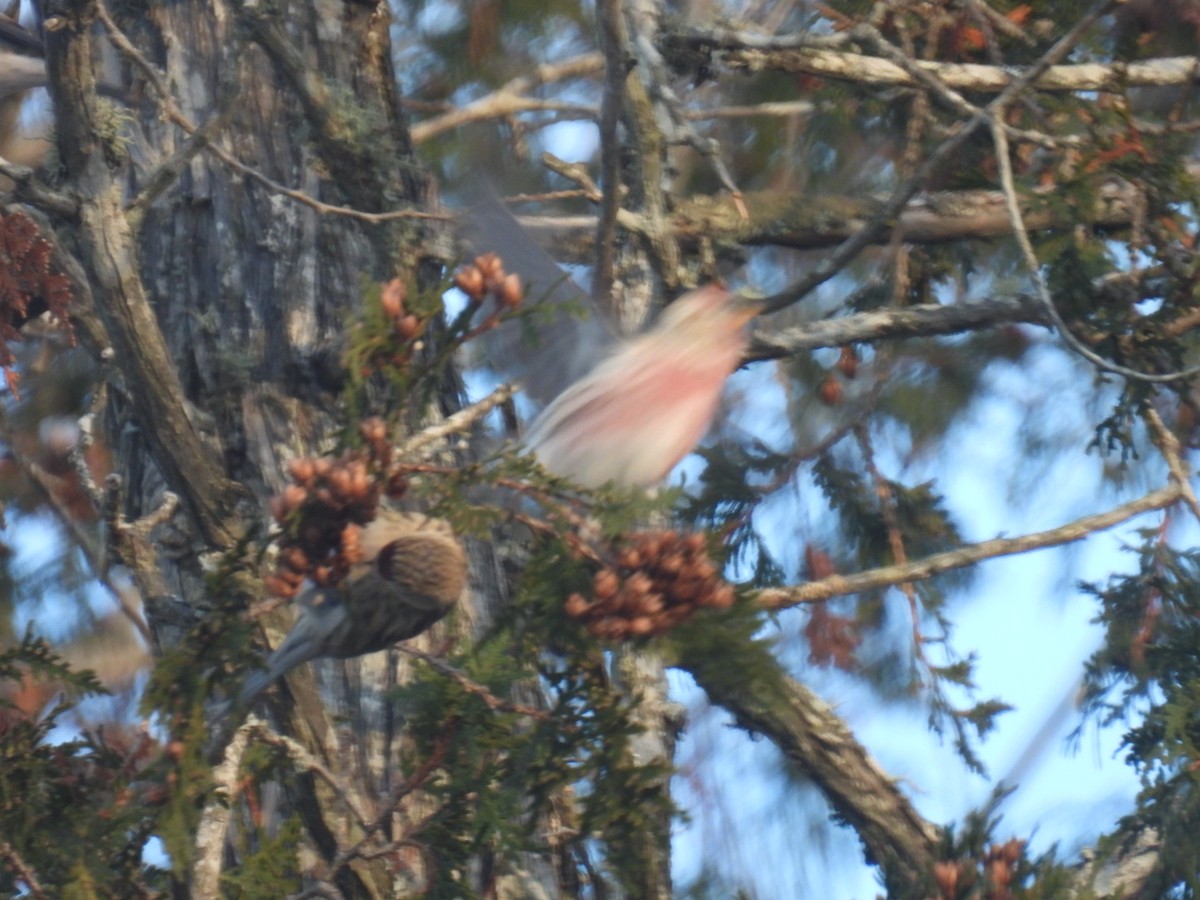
{"points": [[517, 738]]}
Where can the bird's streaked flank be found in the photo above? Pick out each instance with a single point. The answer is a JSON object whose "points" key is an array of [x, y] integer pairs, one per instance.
{"points": [[413, 570]]}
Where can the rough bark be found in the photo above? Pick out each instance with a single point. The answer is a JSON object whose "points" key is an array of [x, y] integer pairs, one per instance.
{"points": [[802, 221], [225, 302], [226, 305], [108, 251], [818, 742], [745, 51]]}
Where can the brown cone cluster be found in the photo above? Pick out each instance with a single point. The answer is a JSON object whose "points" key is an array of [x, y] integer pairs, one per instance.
{"points": [[486, 276], [657, 581], [831, 388], [954, 878], [392, 297], [324, 507]]}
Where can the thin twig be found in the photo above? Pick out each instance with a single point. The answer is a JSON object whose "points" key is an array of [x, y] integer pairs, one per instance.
{"points": [[408, 786], [778, 109], [494, 703], [128, 598], [22, 870], [1168, 444], [156, 183], [576, 172], [852, 246], [562, 500], [645, 19], [929, 79], [573, 539], [306, 762], [1035, 270], [509, 98], [459, 421], [175, 114], [502, 105], [967, 555], [891, 521]]}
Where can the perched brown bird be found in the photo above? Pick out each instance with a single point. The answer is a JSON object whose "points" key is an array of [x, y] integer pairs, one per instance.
{"points": [[413, 571]]}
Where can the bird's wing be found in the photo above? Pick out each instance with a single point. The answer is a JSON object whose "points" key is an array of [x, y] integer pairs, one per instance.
{"points": [[569, 337], [321, 623]]}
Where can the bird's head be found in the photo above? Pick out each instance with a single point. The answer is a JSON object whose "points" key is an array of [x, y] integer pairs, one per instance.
{"points": [[709, 315], [425, 564]]}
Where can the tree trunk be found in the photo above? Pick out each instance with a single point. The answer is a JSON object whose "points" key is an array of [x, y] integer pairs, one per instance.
{"points": [[226, 305]]}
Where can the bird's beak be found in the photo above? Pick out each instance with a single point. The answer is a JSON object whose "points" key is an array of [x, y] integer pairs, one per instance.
{"points": [[745, 306]]}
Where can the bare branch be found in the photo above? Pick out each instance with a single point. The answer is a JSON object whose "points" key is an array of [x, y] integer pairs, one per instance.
{"points": [[214, 820], [925, 320], [780, 109], [128, 598], [511, 98], [1172, 453], [202, 137], [304, 761], [927, 78], [578, 173], [79, 461], [28, 188], [23, 872], [818, 742], [459, 421], [411, 784], [851, 247], [644, 25], [737, 51], [494, 703], [806, 222], [967, 555], [891, 520]]}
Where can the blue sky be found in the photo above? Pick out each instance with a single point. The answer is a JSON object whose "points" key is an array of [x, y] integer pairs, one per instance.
{"points": [[1023, 617]]}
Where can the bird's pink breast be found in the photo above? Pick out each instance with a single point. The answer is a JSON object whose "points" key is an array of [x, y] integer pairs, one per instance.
{"points": [[634, 419]]}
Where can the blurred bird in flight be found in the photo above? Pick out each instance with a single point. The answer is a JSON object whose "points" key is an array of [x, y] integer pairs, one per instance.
{"points": [[644, 407], [644, 402], [640, 409]]}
